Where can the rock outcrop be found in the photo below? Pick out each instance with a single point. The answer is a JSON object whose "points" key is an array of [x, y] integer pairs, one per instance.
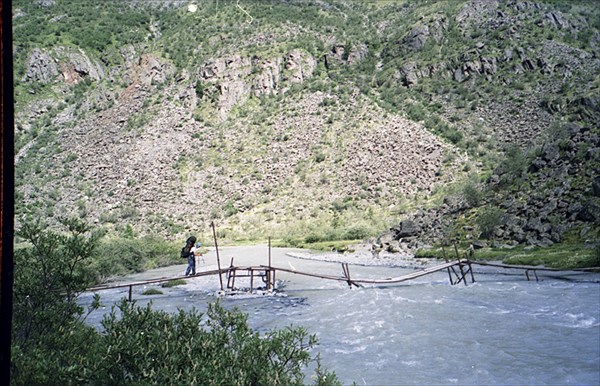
{"points": [[41, 67], [229, 81], [73, 65], [548, 201]]}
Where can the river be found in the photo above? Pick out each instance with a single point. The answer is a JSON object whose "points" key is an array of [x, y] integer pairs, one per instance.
{"points": [[502, 329]]}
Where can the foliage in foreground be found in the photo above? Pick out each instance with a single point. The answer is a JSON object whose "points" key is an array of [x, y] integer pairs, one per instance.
{"points": [[53, 345], [144, 346]]}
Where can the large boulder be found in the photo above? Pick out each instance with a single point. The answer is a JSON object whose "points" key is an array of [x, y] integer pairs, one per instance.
{"points": [[76, 65], [416, 38], [405, 229], [409, 73], [590, 212], [476, 11]]}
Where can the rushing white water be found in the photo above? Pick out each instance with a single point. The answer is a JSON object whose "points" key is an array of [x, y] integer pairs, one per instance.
{"points": [[502, 329]]}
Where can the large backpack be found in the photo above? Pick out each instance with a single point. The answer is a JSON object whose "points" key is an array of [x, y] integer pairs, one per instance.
{"points": [[185, 251]]}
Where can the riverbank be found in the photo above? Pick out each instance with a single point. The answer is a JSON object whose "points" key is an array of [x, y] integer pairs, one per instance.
{"points": [[561, 256], [362, 255], [569, 254]]}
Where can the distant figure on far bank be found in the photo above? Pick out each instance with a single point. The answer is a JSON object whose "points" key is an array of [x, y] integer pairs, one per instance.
{"points": [[187, 252]]}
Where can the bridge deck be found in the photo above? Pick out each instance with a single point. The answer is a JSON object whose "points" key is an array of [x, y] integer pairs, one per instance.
{"points": [[263, 268], [268, 273]]}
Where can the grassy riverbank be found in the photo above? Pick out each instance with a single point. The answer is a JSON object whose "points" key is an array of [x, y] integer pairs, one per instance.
{"points": [[562, 256]]}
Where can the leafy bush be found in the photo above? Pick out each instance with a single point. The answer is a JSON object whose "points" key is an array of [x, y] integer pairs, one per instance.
{"points": [[192, 348], [487, 222], [49, 274], [152, 291], [472, 194], [512, 166], [357, 232]]}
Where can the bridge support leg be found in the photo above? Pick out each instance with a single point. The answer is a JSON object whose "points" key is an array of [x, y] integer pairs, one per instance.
{"points": [[471, 270], [231, 278], [463, 274], [346, 270], [446, 260], [534, 273], [273, 281]]}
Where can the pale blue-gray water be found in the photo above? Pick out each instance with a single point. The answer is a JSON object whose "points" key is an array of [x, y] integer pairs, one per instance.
{"points": [[500, 330]]}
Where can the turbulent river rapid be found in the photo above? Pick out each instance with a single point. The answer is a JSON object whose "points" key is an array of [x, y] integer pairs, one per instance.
{"points": [[502, 329]]}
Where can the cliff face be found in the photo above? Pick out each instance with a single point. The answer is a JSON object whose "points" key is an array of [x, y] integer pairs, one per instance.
{"points": [[275, 126]]}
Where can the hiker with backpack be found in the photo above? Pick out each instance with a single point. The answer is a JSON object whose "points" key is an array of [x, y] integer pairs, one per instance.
{"points": [[187, 252]]}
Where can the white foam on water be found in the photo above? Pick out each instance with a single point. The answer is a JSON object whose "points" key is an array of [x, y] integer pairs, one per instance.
{"points": [[580, 321], [410, 363], [402, 299], [350, 351]]}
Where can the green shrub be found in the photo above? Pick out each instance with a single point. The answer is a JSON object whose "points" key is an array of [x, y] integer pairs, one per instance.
{"points": [[49, 336], [173, 283], [488, 221], [192, 348], [313, 238], [472, 194], [356, 232], [512, 166], [152, 291]]}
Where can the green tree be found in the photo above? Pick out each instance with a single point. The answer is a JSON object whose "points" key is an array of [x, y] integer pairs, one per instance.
{"points": [[488, 221], [49, 275], [50, 338], [512, 165]]}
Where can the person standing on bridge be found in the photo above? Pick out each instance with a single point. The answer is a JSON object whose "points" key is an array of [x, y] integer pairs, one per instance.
{"points": [[187, 252]]}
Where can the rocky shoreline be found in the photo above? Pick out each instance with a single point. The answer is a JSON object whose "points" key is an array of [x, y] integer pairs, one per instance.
{"points": [[364, 256]]}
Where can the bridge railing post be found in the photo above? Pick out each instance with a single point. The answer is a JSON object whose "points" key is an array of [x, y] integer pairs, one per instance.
{"points": [[212, 224], [446, 260], [270, 286]]}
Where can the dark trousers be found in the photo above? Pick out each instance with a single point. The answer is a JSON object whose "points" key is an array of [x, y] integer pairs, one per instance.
{"points": [[191, 265]]}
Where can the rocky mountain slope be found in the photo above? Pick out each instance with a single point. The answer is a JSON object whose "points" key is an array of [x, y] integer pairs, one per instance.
{"points": [[311, 120]]}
